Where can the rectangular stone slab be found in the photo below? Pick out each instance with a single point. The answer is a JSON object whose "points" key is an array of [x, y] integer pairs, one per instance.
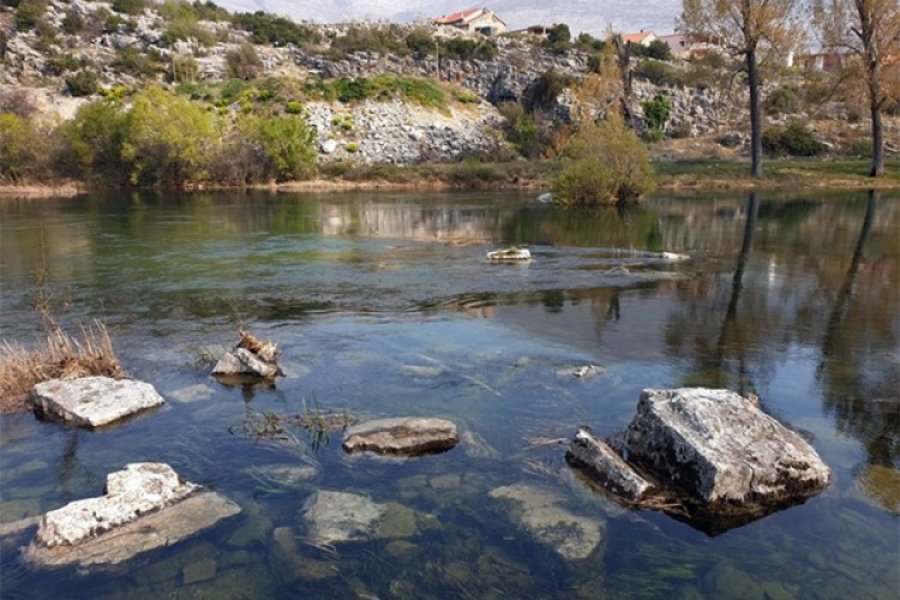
{"points": [[722, 450], [93, 401], [155, 530]]}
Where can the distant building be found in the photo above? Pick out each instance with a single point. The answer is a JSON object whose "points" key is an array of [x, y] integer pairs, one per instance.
{"points": [[475, 20], [824, 61], [643, 38], [538, 31], [686, 46]]}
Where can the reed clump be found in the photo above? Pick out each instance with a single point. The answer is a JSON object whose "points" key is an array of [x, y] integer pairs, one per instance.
{"points": [[60, 355]]}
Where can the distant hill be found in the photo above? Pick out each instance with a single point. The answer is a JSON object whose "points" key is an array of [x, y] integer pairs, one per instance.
{"points": [[581, 15]]}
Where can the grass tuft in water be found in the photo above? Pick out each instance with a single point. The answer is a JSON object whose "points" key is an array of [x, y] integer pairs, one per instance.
{"points": [[59, 356]]}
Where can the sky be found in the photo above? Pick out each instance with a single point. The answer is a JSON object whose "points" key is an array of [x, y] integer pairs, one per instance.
{"points": [[592, 16]]}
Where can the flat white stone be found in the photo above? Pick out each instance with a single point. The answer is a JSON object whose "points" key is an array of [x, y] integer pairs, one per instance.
{"points": [[93, 401], [512, 254]]}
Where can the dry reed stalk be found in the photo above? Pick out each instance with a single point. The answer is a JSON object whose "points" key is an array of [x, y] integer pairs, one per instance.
{"points": [[59, 356]]}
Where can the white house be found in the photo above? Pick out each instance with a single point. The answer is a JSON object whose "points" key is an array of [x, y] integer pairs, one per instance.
{"points": [[476, 20]]}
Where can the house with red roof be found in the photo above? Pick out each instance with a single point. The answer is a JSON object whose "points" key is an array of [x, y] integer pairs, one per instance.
{"points": [[475, 20], [643, 38]]}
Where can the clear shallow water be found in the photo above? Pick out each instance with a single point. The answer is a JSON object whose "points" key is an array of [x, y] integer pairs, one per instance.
{"points": [[382, 306]]}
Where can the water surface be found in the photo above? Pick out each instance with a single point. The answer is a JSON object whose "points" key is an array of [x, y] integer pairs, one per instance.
{"points": [[383, 305]]}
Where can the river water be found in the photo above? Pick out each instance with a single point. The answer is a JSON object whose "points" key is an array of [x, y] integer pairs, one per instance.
{"points": [[383, 305]]}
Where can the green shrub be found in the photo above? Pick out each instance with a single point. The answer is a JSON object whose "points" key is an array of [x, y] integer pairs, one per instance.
{"points": [[61, 63], [559, 38], [128, 7], [293, 107], [270, 29], [782, 100], [287, 142], [657, 72], [468, 49], [421, 43], [169, 139], [657, 50], [82, 83], [184, 68], [210, 11], [796, 140], [382, 39], [521, 129], [652, 136], [72, 22], [28, 13], [657, 112], [604, 164], [384, 87], [542, 93], [92, 143], [243, 62], [18, 143], [231, 90], [586, 41], [131, 61]]}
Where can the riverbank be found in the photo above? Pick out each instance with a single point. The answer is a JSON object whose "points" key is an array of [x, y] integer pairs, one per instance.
{"points": [[671, 176]]}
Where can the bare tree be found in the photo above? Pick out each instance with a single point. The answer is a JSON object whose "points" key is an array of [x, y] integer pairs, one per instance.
{"points": [[869, 29], [753, 31]]}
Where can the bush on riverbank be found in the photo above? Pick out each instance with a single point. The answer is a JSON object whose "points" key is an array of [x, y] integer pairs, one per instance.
{"points": [[604, 164]]}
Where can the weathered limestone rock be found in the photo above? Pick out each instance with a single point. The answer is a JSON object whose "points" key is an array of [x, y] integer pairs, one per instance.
{"points": [[606, 467], [156, 530], [250, 357], [581, 372], [541, 513], [146, 506], [93, 401], [341, 517], [137, 489], [402, 435], [721, 450]]}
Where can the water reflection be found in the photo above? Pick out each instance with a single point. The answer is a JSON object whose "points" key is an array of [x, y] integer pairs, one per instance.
{"points": [[794, 300]]}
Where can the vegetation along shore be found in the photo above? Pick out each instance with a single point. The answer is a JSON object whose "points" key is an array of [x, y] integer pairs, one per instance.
{"points": [[133, 94]]}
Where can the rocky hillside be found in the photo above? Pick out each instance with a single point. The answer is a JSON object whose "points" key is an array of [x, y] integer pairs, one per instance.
{"points": [[374, 92]]}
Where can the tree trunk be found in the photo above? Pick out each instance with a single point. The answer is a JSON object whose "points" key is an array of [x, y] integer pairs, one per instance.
{"points": [[755, 123], [877, 138]]}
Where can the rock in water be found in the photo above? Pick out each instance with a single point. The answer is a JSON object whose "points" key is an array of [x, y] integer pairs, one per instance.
{"points": [[407, 436], [511, 254], [541, 513], [608, 468], [341, 517], [721, 450], [250, 357], [146, 506], [93, 401]]}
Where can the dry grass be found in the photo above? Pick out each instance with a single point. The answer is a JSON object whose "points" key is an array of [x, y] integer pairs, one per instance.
{"points": [[59, 356]]}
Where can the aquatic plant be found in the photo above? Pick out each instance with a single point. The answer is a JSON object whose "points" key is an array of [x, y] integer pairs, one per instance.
{"points": [[59, 356]]}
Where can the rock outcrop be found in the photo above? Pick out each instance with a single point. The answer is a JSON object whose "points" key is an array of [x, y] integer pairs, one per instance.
{"points": [[93, 401], [146, 506], [407, 436]]}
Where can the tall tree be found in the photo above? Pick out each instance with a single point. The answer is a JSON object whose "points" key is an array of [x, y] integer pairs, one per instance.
{"points": [[869, 29], [753, 31]]}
